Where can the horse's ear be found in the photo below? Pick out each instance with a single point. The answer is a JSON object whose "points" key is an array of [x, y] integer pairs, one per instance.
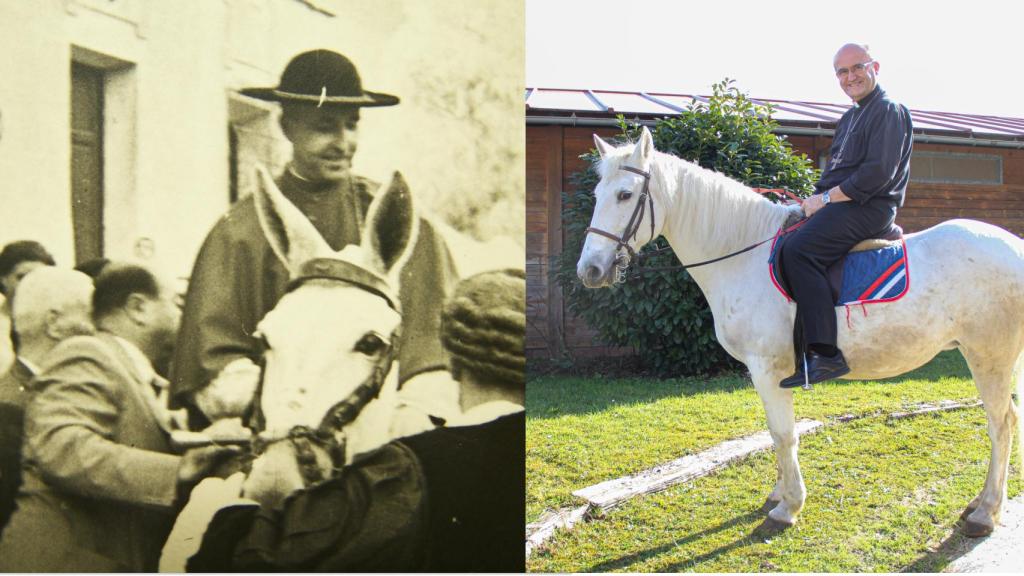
{"points": [[602, 147], [391, 227], [644, 148], [290, 234]]}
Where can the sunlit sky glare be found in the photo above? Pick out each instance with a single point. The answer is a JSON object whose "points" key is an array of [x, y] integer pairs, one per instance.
{"points": [[960, 56]]}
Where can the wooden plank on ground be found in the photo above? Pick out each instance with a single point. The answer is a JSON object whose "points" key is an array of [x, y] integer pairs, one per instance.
{"points": [[926, 408], [611, 493], [544, 528]]}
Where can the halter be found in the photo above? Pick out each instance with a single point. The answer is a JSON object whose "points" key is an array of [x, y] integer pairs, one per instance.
{"points": [[632, 227], [329, 435]]}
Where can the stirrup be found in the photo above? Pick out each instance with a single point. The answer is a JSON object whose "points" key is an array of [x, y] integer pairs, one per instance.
{"points": [[807, 378]]}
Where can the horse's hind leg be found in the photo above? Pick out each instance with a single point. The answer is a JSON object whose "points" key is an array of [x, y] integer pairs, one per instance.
{"points": [[787, 498], [994, 379]]}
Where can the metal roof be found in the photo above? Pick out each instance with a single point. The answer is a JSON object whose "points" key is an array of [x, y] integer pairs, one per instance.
{"points": [[544, 105]]}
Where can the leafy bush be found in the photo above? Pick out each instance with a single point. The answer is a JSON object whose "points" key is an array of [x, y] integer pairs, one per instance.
{"points": [[663, 314]]}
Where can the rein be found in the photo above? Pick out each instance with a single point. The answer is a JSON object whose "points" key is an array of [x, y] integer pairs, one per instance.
{"points": [[622, 262]]}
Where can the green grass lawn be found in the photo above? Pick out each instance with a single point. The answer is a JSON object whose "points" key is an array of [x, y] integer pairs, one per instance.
{"points": [[882, 496]]}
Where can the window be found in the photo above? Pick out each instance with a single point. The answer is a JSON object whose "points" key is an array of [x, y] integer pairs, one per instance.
{"points": [[956, 168]]}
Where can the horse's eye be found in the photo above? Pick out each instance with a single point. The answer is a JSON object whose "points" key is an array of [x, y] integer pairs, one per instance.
{"points": [[370, 345], [625, 195]]}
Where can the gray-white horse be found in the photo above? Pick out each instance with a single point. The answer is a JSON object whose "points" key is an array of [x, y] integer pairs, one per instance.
{"points": [[968, 293]]}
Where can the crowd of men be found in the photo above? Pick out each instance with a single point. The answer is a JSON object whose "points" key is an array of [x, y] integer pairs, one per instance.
{"points": [[90, 479]]}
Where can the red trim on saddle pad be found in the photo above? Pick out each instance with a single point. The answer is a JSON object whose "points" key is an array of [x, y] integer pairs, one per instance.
{"points": [[903, 262]]}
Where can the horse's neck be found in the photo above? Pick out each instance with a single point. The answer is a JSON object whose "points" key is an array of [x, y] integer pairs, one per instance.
{"points": [[709, 216]]}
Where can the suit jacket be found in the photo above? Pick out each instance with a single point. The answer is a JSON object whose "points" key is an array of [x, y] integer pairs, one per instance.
{"points": [[13, 398], [237, 279], [99, 479]]}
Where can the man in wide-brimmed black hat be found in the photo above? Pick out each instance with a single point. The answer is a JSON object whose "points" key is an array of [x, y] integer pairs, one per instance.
{"points": [[237, 278]]}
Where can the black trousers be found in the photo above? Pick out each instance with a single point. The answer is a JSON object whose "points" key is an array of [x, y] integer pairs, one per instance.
{"points": [[819, 243]]}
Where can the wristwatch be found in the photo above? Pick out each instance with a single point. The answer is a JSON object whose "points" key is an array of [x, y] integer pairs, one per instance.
{"points": [[825, 198]]}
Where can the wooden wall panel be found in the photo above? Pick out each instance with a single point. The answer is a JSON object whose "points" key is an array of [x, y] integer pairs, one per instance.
{"points": [[543, 186]]}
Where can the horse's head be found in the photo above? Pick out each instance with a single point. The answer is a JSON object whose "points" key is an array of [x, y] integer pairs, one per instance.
{"points": [[328, 388], [624, 213]]}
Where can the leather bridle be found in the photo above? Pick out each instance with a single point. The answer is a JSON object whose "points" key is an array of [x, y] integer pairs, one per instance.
{"points": [[329, 435], [633, 226]]}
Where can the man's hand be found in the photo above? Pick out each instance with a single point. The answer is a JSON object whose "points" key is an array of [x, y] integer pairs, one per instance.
{"points": [[211, 495], [812, 204], [231, 392], [198, 463]]}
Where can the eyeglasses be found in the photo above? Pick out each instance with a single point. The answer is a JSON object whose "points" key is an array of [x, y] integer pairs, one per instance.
{"points": [[856, 69]]}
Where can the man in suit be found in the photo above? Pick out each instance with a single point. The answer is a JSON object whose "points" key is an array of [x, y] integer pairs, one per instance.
{"points": [[100, 480], [52, 304]]}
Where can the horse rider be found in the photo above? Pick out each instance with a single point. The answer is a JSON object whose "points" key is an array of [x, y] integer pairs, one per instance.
{"points": [[857, 197], [237, 278]]}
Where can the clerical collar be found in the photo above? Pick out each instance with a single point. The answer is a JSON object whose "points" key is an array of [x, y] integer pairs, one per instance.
{"points": [[295, 173], [870, 97], [305, 184]]}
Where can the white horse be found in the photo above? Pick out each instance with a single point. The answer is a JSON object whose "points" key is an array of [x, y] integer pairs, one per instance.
{"points": [[329, 388], [968, 293]]}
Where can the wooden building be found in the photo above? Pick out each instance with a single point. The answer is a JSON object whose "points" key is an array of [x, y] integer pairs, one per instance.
{"points": [[963, 166]]}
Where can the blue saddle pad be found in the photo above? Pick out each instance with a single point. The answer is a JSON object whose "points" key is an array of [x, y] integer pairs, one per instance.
{"points": [[864, 277]]}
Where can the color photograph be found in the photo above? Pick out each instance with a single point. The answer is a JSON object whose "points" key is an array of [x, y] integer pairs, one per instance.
{"points": [[774, 285]]}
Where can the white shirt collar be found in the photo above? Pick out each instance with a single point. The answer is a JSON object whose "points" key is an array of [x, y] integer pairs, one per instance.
{"points": [[483, 413]]}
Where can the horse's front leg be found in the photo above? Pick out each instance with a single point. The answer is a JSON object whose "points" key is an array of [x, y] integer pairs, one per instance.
{"points": [[787, 498]]}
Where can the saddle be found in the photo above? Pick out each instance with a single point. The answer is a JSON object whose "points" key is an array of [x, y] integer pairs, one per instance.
{"points": [[874, 270]]}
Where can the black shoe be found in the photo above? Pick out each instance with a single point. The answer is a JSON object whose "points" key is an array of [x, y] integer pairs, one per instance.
{"points": [[797, 379], [819, 369]]}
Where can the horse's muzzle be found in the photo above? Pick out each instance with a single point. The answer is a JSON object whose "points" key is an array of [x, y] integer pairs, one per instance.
{"points": [[593, 276]]}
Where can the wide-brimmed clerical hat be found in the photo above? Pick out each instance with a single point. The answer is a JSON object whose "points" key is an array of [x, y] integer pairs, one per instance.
{"points": [[322, 77]]}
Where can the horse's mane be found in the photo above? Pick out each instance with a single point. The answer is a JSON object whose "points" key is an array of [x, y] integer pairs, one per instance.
{"points": [[725, 214]]}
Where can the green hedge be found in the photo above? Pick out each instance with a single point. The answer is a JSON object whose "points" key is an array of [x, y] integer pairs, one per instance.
{"points": [[663, 314]]}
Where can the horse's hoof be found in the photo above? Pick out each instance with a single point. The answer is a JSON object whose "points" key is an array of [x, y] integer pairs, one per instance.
{"points": [[970, 510], [976, 529], [769, 504], [769, 528]]}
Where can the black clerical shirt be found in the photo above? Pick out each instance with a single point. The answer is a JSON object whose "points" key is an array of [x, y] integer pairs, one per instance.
{"points": [[870, 155]]}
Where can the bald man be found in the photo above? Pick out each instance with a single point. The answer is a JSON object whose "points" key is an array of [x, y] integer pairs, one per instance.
{"points": [[857, 197], [52, 304]]}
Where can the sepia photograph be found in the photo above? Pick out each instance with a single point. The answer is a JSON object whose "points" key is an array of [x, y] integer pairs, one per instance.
{"points": [[263, 286]]}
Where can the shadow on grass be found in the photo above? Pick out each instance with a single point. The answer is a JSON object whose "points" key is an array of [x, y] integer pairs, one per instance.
{"points": [[954, 546], [759, 534], [556, 396]]}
